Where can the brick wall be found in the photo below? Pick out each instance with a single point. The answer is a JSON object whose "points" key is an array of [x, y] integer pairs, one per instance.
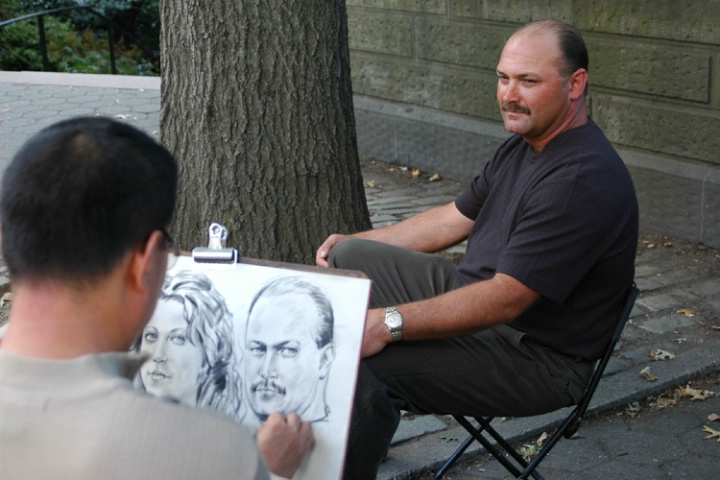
{"points": [[424, 78]]}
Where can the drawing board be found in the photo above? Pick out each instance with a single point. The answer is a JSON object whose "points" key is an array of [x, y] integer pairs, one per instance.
{"points": [[296, 349]]}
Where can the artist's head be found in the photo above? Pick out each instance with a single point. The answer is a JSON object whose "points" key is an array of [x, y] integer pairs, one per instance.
{"points": [[81, 194], [288, 349], [542, 80], [190, 342]]}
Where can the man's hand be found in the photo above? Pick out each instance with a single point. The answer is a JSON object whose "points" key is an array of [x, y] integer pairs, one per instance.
{"points": [[377, 335], [324, 250], [284, 442]]}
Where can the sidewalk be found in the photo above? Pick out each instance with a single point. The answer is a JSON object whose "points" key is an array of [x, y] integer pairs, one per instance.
{"points": [[678, 310]]}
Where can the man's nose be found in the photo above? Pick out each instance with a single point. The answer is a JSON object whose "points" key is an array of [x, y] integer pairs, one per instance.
{"points": [[510, 92], [268, 366]]}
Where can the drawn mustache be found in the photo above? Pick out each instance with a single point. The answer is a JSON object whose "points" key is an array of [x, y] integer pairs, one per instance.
{"points": [[268, 386], [515, 108]]}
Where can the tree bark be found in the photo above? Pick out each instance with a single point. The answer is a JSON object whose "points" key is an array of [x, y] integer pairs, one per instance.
{"points": [[256, 105]]}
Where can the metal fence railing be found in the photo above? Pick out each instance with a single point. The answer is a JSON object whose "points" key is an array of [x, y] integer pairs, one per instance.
{"points": [[110, 25]]}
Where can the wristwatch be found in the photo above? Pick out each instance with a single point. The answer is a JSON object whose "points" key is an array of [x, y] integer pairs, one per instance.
{"points": [[394, 322]]}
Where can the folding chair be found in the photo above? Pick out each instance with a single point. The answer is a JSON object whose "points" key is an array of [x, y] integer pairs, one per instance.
{"points": [[567, 429]]}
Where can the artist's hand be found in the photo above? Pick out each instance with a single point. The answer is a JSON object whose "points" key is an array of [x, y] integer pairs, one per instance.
{"points": [[284, 442], [377, 335], [324, 250]]}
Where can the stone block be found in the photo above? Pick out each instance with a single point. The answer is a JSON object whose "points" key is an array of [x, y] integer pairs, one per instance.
{"points": [[668, 203], [437, 7], [443, 88], [388, 34], [513, 11], [657, 127], [695, 21], [433, 141], [710, 227], [649, 68], [467, 44]]}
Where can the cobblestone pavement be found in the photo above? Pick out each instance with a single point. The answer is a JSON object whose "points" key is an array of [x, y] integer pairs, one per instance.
{"points": [[661, 438], [678, 312]]}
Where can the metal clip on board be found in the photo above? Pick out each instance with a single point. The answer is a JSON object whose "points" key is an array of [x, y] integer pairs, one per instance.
{"points": [[216, 252]]}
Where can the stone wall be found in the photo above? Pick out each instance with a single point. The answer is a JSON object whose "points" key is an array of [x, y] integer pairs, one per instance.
{"points": [[424, 78]]}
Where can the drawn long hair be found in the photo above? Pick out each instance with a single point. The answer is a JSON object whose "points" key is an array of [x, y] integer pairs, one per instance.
{"points": [[209, 328]]}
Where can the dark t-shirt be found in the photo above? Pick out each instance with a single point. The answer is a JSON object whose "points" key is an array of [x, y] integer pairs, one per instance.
{"points": [[564, 222]]}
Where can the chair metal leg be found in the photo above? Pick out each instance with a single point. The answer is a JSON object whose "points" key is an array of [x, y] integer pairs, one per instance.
{"points": [[454, 457], [510, 450], [476, 433]]}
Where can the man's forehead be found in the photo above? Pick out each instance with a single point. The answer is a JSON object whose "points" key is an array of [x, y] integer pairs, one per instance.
{"points": [[530, 50]]}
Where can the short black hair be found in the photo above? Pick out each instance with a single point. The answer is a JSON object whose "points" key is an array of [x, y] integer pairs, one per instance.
{"points": [[572, 45], [79, 195]]}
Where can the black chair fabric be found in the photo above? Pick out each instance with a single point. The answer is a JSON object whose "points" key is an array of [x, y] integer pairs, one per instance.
{"points": [[566, 429]]}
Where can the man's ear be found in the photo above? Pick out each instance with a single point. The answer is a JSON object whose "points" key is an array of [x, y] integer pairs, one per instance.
{"points": [[578, 81], [327, 355], [146, 263]]}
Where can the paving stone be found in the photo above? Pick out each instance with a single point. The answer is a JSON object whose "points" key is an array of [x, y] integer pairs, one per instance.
{"points": [[417, 426], [666, 324]]}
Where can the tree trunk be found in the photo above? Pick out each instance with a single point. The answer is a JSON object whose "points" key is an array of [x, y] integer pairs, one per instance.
{"points": [[257, 108]]}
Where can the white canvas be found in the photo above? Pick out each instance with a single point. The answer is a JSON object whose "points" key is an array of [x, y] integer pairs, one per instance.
{"points": [[236, 286]]}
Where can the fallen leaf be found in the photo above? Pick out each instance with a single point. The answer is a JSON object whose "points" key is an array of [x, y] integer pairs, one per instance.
{"points": [[645, 373], [680, 340], [632, 409], [713, 433], [667, 244], [435, 177], [416, 173], [687, 312], [369, 184], [7, 297], [541, 439], [449, 438], [528, 451], [715, 327], [713, 417], [694, 393], [651, 246], [663, 402], [661, 355]]}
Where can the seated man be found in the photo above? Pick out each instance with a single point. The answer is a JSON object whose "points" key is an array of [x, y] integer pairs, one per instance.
{"points": [[85, 205], [551, 227]]}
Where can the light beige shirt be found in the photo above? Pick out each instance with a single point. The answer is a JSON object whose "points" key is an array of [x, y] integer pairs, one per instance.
{"points": [[82, 419]]}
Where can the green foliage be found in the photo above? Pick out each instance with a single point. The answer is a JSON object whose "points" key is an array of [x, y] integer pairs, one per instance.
{"points": [[77, 40], [19, 47]]}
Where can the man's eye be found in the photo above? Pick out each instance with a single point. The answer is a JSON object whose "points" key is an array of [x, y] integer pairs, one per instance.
{"points": [[288, 352], [178, 339]]}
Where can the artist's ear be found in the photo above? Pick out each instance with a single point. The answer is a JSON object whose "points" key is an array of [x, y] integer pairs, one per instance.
{"points": [[147, 264], [327, 355]]}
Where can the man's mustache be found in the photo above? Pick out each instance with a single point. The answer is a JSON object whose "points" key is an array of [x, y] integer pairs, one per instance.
{"points": [[515, 108]]}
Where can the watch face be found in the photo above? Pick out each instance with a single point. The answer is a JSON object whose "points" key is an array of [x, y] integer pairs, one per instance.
{"points": [[394, 320]]}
